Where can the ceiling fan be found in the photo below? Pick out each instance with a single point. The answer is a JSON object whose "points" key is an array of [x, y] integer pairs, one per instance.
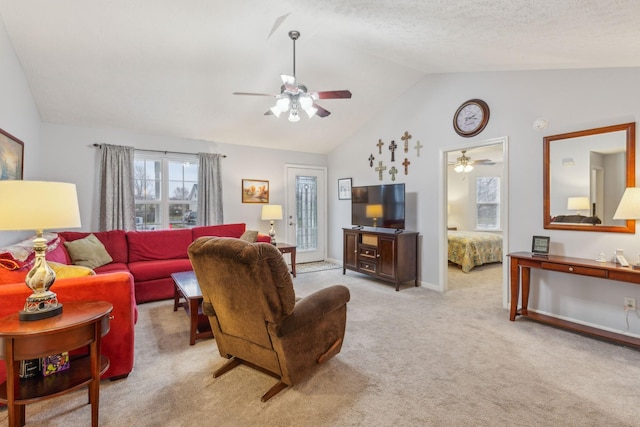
{"points": [[294, 96], [465, 164]]}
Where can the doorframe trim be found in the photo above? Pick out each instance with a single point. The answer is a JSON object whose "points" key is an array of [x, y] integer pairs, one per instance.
{"points": [[504, 212]]}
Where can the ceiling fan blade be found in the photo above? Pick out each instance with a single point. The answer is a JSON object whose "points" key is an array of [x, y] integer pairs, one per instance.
{"points": [[321, 111], [253, 94], [332, 94]]}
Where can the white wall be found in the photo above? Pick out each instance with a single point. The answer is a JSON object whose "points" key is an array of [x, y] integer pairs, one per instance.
{"points": [[570, 100], [18, 116], [69, 155]]}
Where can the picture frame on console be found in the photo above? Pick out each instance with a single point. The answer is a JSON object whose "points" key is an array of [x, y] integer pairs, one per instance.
{"points": [[344, 189], [540, 246], [11, 157]]}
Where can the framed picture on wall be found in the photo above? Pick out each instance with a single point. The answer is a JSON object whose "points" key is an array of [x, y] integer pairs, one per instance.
{"points": [[344, 189], [255, 191], [11, 157]]}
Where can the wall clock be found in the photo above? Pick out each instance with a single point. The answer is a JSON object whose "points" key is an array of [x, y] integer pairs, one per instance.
{"points": [[471, 118]]}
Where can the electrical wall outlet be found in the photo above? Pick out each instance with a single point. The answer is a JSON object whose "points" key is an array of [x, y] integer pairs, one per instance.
{"points": [[629, 304]]}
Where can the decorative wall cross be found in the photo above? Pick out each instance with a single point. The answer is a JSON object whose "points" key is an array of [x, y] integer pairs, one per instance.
{"points": [[380, 144], [380, 169], [371, 159], [406, 164], [393, 171], [406, 137], [418, 147], [392, 148]]}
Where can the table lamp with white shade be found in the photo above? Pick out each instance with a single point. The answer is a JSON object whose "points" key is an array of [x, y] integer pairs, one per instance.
{"points": [[271, 213], [629, 208], [578, 204], [39, 205]]}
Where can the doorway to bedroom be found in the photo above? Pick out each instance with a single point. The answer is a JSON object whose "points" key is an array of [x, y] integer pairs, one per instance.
{"points": [[475, 186]]}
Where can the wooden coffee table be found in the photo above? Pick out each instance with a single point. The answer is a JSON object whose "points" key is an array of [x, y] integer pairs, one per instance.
{"points": [[186, 286]]}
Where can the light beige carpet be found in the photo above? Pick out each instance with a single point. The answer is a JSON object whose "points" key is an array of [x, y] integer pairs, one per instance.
{"points": [[410, 358]]}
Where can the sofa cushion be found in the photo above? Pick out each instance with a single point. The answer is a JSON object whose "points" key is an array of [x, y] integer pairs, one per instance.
{"points": [[64, 271], [152, 270], [224, 230], [88, 252], [21, 254], [249, 236], [112, 268], [114, 241], [158, 244]]}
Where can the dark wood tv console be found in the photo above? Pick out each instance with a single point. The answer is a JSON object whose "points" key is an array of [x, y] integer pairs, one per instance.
{"points": [[521, 264], [382, 253]]}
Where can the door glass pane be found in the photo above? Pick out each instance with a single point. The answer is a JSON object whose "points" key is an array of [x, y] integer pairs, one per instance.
{"points": [[307, 212]]}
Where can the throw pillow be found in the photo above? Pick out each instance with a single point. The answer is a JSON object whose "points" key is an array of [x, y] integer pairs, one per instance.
{"points": [[88, 252], [249, 236], [64, 271]]}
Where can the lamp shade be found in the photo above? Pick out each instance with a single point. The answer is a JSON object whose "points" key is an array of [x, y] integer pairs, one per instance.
{"points": [[578, 203], [270, 212], [373, 211], [629, 207], [38, 205]]}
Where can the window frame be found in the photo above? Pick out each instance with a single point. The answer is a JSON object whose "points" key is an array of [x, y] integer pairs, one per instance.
{"points": [[497, 203], [163, 201]]}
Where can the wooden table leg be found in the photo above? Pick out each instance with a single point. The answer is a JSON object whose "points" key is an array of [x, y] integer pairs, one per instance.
{"points": [[193, 314], [293, 262], [526, 280], [515, 287], [176, 296]]}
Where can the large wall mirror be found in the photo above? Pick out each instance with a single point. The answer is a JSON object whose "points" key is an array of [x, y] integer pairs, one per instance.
{"points": [[585, 174]]}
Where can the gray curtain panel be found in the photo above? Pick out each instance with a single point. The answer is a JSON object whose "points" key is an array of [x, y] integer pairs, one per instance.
{"points": [[117, 201], [209, 189]]}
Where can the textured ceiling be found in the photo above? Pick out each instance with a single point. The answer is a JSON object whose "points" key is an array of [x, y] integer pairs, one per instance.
{"points": [[166, 67]]}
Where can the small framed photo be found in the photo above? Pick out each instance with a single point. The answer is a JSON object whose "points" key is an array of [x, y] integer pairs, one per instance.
{"points": [[344, 189], [255, 191], [540, 245], [11, 157]]}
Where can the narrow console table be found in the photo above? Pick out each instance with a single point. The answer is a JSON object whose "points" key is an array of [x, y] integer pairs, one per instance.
{"points": [[80, 324], [521, 264], [382, 253]]}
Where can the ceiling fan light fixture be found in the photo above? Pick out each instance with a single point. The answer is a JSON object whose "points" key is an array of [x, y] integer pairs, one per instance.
{"points": [[305, 101], [294, 116], [276, 111], [282, 103], [311, 111]]}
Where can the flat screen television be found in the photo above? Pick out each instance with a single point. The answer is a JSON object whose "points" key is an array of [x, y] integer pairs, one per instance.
{"points": [[378, 206]]}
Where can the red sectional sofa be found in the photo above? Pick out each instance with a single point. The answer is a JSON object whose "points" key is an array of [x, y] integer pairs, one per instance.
{"points": [[140, 271], [151, 256]]}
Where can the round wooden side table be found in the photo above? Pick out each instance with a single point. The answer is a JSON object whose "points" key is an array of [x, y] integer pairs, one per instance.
{"points": [[80, 324]]}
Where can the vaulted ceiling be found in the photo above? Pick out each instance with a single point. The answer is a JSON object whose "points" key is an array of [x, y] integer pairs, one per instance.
{"points": [[166, 67]]}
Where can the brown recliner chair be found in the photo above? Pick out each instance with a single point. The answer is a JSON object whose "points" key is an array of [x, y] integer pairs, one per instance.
{"points": [[248, 295]]}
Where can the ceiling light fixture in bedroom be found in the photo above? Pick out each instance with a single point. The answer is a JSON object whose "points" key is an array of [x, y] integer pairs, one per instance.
{"points": [[463, 164]]}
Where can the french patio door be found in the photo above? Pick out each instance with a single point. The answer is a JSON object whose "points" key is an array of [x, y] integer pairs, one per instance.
{"points": [[306, 212]]}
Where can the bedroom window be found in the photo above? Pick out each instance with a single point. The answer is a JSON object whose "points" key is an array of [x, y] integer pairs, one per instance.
{"points": [[165, 191], [488, 203]]}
